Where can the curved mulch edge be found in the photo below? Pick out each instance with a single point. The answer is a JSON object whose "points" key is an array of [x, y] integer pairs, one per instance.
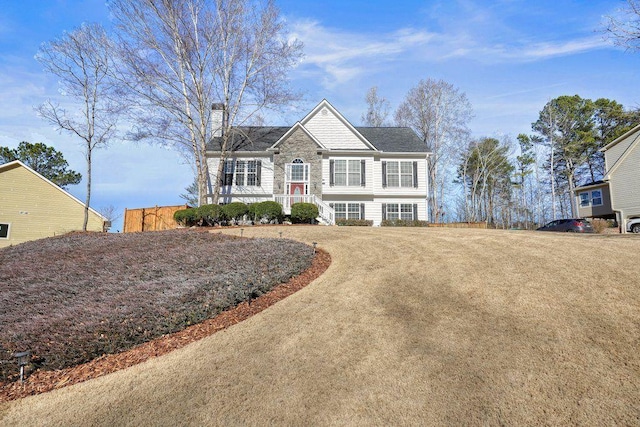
{"points": [[43, 381]]}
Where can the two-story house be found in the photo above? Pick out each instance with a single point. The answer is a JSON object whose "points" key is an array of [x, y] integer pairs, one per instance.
{"points": [[618, 194], [348, 172]]}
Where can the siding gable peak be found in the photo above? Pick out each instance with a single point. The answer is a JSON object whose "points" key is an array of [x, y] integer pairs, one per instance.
{"points": [[18, 163], [333, 130]]}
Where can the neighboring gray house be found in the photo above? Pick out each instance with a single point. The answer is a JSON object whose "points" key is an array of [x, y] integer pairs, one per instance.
{"points": [[618, 195], [348, 172]]}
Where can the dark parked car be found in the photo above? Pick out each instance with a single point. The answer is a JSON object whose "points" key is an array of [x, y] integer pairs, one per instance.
{"points": [[576, 225]]}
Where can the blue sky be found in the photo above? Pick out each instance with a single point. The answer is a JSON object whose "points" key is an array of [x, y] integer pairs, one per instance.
{"points": [[509, 56]]}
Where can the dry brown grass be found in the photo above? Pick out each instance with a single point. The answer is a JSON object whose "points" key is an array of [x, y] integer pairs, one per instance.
{"points": [[407, 327]]}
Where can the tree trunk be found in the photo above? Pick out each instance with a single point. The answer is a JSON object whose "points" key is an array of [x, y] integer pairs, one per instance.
{"points": [[88, 199]]}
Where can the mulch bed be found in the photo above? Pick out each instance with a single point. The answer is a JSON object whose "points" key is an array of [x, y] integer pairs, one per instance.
{"points": [[43, 381]]}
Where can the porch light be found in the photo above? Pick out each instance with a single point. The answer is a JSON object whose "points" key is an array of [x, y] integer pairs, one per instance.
{"points": [[314, 247], [280, 233], [241, 231], [23, 359]]}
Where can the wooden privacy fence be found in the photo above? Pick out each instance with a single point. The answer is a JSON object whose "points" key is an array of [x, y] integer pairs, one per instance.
{"points": [[459, 224], [151, 219]]}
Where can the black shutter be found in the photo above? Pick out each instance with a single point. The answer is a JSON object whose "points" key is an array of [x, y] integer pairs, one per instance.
{"points": [[415, 174], [258, 172], [363, 179], [361, 210], [331, 169], [384, 211], [415, 211], [384, 176]]}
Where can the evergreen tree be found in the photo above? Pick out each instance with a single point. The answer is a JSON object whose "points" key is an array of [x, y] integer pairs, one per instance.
{"points": [[45, 160]]}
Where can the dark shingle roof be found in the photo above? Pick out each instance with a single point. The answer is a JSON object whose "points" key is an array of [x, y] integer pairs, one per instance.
{"points": [[251, 138], [392, 139], [388, 139]]}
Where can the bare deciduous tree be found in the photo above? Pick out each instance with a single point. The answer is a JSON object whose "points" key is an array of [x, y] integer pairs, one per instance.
{"points": [[182, 57], [81, 60], [439, 114], [377, 109], [624, 29]]}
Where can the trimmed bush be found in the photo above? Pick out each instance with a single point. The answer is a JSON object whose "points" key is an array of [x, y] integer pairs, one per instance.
{"points": [[235, 211], [266, 212], [303, 213], [210, 215], [403, 223], [354, 222], [186, 217]]}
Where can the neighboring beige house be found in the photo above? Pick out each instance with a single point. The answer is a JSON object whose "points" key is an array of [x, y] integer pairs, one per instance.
{"points": [[33, 207], [618, 195], [349, 172], [594, 200]]}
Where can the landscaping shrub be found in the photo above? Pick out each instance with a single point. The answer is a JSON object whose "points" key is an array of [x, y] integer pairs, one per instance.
{"points": [[403, 223], [73, 298], [235, 211], [303, 213], [210, 215], [186, 217], [599, 225], [354, 222], [267, 212]]}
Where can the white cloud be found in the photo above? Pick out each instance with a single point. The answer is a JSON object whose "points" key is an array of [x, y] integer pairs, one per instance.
{"points": [[339, 56], [342, 56]]}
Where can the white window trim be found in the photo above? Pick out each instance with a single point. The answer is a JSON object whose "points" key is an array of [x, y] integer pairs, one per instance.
{"points": [[400, 174], [8, 224], [232, 164], [355, 206], [348, 171], [287, 175], [590, 199]]}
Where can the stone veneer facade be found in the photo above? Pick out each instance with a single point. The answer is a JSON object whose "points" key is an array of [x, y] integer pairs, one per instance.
{"points": [[298, 146]]}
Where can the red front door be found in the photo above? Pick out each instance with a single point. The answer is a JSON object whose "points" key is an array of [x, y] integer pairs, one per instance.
{"points": [[297, 190]]}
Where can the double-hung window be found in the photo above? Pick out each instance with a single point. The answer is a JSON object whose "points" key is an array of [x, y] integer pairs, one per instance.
{"points": [[252, 172], [591, 198], [406, 212], [345, 172], [584, 199], [241, 172], [349, 210], [400, 174], [227, 172], [403, 211]]}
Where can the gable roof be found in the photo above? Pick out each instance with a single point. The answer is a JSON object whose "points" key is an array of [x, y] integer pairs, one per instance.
{"points": [[325, 106], [625, 154], [292, 130], [18, 163], [386, 139], [261, 138], [620, 138], [251, 138], [394, 139]]}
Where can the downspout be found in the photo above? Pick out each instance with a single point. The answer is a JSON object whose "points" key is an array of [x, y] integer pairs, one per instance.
{"points": [[622, 224]]}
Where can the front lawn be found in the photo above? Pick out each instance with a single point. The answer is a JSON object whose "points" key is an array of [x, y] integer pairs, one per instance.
{"points": [[73, 298]]}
